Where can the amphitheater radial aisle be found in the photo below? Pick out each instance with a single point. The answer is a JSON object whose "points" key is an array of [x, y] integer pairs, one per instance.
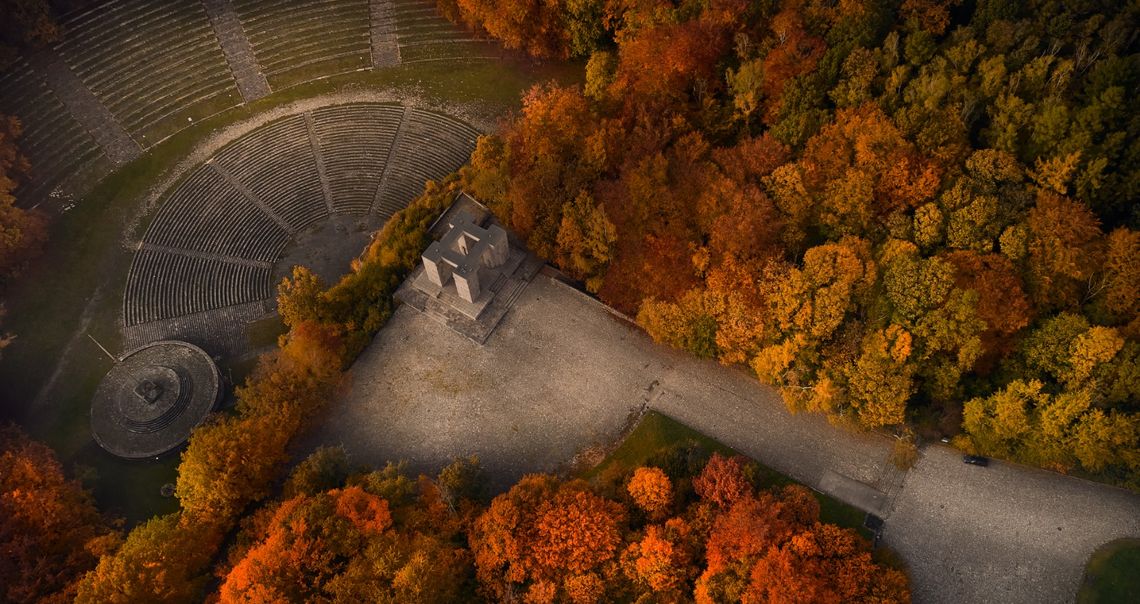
{"points": [[352, 138], [276, 164], [432, 144], [205, 213], [65, 158]]}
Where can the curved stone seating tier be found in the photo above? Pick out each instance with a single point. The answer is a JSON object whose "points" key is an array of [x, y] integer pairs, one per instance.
{"points": [[148, 403], [355, 142], [297, 41], [153, 64], [161, 285], [424, 35], [206, 264], [431, 146], [63, 156], [221, 331], [158, 66], [276, 164], [207, 214]]}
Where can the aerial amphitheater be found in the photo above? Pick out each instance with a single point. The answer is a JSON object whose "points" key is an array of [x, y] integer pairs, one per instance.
{"points": [[591, 301]]}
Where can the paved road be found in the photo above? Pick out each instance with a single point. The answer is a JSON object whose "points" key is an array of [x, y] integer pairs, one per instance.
{"points": [[1005, 533], [560, 372]]}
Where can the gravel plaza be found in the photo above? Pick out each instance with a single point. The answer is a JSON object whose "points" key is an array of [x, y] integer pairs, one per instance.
{"points": [[562, 374]]}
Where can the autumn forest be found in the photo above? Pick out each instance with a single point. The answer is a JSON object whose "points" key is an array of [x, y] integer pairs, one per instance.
{"points": [[917, 217], [924, 217]]}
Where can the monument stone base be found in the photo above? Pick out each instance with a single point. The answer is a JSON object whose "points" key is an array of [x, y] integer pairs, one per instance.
{"points": [[471, 310], [500, 286], [473, 321]]}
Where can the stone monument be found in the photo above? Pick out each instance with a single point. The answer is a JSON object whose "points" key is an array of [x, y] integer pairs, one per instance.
{"points": [[466, 248], [472, 273]]}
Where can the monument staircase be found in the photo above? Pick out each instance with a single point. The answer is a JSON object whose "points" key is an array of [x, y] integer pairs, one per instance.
{"points": [[510, 284]]}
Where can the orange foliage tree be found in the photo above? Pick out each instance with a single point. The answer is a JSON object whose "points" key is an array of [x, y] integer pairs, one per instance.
{"points": [[541, 29], [556, 125], [670, 59], [860, 169], [344, 545], [1065, 248], [722, 482], [661, 560], [541, 536], [230, 463], [651, 490], [162, 560], [22, 232], [824, 563], [1121, 289], [772, 548], [1002, 302], [575, 530], [50, 531], [795, 52]]}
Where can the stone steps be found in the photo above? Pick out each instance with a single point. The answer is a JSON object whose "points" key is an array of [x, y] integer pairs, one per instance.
{"points": [[291, 39], [150, 63], [276, 164], [239, 53], [162, 285], [64, 157]]}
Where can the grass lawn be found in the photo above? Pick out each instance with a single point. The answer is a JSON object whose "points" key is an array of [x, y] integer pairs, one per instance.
{"points": [[83, 272], [1113, 574], [265, 332], [657, 432]]}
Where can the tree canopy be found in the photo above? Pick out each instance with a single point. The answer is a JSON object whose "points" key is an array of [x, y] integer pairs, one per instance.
{"points": [[874, 206]]}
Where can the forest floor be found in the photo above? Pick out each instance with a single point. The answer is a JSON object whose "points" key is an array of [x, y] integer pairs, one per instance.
{"points": [[562, 374]]}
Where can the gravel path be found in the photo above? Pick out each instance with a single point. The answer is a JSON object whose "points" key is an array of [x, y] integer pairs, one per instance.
{"points": [[561, 373]]}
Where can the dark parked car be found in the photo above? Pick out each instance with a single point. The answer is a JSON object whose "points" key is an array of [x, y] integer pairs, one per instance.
{"points": [[976, 460]]}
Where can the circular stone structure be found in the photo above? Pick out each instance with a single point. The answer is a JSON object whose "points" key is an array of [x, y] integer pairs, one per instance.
{"points": [[148, 403]]}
